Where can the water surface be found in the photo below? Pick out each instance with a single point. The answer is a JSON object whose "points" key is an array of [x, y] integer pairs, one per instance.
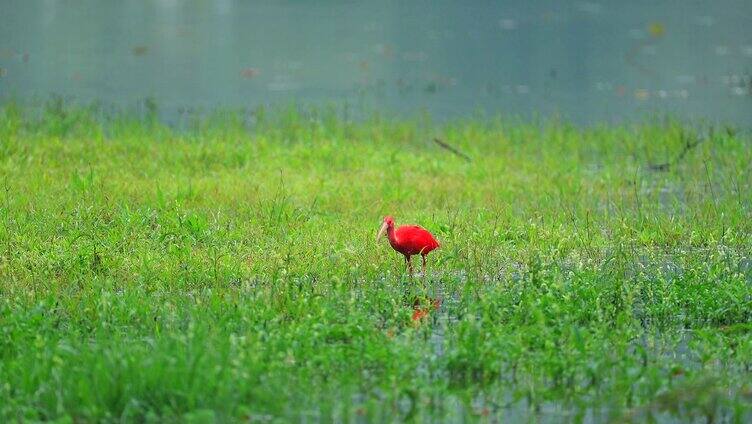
{"points": [[584, 60]]}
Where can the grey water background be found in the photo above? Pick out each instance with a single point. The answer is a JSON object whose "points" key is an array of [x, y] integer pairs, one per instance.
{"points": [[584, 61]]}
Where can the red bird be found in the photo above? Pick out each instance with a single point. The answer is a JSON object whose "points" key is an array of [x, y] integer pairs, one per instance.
{"points": [[408, 240]]}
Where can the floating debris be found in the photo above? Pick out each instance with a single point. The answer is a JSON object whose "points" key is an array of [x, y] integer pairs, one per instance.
{"points": [[549, 17], [445, 34], [7, 53], [283, 83], [656, 29], [436, 82], [403, 85], [740, 85], [384, 50], [249, 73], [642, 94], [507, 24], [139, 50], [3, 72]]}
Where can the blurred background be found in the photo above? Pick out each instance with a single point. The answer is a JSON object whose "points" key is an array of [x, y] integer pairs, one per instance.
{"points": [[584, 61]]}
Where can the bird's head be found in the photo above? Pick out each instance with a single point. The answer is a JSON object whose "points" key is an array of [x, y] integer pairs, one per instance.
{"points": [[388, 223]]}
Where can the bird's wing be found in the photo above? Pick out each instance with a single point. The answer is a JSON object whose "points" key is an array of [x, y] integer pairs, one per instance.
{"points": [[416, 237]]}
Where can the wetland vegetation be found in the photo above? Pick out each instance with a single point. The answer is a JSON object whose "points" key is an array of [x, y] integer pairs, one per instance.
{"points": [[227, 270]]}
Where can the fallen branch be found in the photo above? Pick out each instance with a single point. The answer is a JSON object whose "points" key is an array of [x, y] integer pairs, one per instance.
{"points": [[452, 149], [689, 145]]}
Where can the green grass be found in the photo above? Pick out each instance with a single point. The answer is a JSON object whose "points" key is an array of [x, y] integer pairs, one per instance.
{"points": [[228, 270]]}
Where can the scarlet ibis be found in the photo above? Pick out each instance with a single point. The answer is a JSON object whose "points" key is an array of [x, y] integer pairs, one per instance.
{"points": [[408, 240]]}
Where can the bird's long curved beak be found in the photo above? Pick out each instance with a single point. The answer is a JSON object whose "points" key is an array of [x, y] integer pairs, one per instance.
{"points": [[381, 231]]}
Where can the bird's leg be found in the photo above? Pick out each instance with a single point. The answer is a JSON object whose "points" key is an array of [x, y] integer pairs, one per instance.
{"points": [[424, 264], [409, 265]]}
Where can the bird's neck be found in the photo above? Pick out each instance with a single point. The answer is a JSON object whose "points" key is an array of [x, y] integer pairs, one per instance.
{"points": [[391, 234]]}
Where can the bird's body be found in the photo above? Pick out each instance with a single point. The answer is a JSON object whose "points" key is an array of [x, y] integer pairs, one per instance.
{"points": [[409, 240], [412, 240]]}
